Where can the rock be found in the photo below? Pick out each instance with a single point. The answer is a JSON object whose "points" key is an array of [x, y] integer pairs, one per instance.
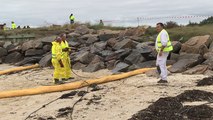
{"points": [[110, 64], [13, 49], [47, 48], [96, 59], [198, 45], [209, 62], [139, 31], [152, 73], [46, 60], [7, 43], [105, 35], [126, 43], [32, 44], [78, 66], [73, 43], [73, 35], [120, 67], [111, 42], [183, 64], [13, 57], [48, 40], [85, 57], [113, 56], [176, 46], [145, 44], [94, 67], [92, 39], [82, 30], [199, 69], [105, 53], [197, 57], [86, 37], [135, 57], [208, 73], [10, 47], [2, 43], [98, 47], [123, 53], [1, 60], [174, 56], [3, 52], [29, 60], [34, 52]]}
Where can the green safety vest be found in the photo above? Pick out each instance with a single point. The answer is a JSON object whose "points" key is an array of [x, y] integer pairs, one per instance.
{"points": [[72, 18], [13, 26], [168, 47]]}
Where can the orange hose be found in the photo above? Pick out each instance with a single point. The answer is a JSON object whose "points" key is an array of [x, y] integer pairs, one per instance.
{"points": [[70, 86], [17, 69]]}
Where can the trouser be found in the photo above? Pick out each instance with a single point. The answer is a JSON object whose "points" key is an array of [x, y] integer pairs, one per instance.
{"points": [[71, 21], [57, 69], [67, 67], [161, 62]]}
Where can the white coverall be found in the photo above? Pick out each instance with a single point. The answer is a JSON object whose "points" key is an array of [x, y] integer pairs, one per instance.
{"points": [[161, 60]]}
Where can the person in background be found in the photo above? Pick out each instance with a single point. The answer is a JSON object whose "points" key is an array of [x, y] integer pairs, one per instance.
{"points": [[163, 46], [72, 19], [13, 25], [4, 27]]}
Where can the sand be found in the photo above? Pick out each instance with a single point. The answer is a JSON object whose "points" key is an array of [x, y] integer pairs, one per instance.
{"points": [[117, 100]]}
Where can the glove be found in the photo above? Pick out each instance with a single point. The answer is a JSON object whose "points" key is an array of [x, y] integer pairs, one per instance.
{"points": [[61, 64]]}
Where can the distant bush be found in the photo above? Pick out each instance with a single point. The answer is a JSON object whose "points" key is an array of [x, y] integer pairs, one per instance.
{"points": [[171, 24]]}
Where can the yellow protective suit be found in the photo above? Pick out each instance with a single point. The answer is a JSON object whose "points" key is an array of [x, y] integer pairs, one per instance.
{"points": [[66, 61], [56, 56]]}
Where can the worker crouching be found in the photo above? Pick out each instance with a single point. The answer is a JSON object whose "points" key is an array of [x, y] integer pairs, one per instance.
{"points": [[57, 60]]}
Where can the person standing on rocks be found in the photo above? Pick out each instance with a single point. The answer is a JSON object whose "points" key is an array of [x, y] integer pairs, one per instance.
{"points": [[13, 25], [66, 59], [163, 46], [72, 19], [57, 60]]}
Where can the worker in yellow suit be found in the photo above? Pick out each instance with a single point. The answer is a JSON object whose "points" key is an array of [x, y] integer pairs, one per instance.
{"points": [[66, 59], [57, 60], [13, 25]]}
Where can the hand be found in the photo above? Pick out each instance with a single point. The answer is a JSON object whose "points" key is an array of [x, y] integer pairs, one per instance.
{"points": [[65, 49], [61, 64], [160, 53]]}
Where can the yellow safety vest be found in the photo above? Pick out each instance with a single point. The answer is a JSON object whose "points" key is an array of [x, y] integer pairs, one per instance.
{"points": [[72, 18], [63, 46], [168, 47], [13, 26], [56, 51]]}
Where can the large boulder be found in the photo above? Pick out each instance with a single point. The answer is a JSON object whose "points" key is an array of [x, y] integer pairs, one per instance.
{"points": [[73, 35], [199, 69], [92, 39], [85, 57], [78, 66], [111, 42], [47, 48], [183, 64], [197, 45], [82, 30], [34, 52], [97, 47], [126, 43], [2, 43], [120, 67], [94, 67], [29, 60], [32, 44], [46, 60], [139, 31], [7, 43], [13, 57], [3, 52], [135, 57], [176, 46], [47, 40], [105, 35]]}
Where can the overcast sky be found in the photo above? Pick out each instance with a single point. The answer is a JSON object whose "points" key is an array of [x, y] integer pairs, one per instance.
{"points": [[44, 12]]}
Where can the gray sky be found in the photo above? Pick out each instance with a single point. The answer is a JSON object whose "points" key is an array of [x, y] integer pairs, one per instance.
{"points": [[44, 12]]}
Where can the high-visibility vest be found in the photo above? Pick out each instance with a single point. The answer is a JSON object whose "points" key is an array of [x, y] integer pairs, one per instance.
{"points": [[56, 50], [72, 18], [168, 47], [13, 26], [63, 46]]}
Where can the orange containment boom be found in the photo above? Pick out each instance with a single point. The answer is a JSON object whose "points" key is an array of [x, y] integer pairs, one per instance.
{"points": [[18, 69], [70, 86]]}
